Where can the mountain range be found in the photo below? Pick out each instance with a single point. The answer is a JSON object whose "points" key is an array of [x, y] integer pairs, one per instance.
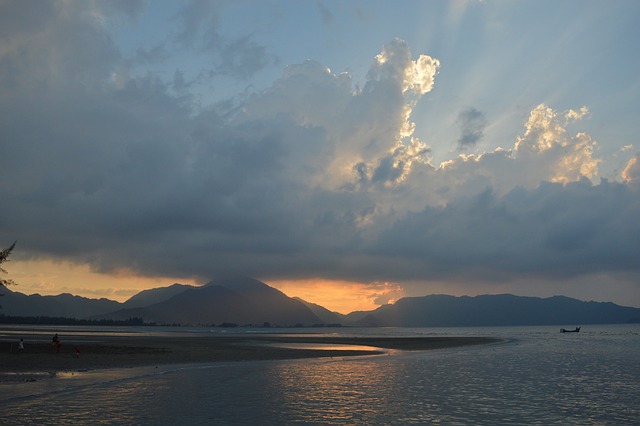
{"points": [[238, 301], [246, 301], [495, 310]]}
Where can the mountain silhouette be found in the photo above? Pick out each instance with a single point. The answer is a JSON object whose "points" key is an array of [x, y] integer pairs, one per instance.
{"points": [[325, 315], [155, 295], [63, 305], [245, 301], [239, 301], [495, 310]]}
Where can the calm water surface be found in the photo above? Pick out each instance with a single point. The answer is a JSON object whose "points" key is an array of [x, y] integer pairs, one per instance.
{"points": [[536, 376]]}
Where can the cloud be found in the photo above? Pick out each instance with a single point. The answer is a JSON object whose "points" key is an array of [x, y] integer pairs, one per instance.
{"points": [[311, 177], [243, 58], [572, 115], [553, 231], [197, 23], [61, 46], [631, 173], [325, 13], [394, 63], [472, 123], [385, 292], [565, 158], [237, 57]]}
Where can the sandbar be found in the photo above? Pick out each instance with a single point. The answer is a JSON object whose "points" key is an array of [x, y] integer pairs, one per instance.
{"points": [[97, 351]]}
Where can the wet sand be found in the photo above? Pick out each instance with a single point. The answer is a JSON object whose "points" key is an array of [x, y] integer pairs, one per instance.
{"points": [[40, 359]]}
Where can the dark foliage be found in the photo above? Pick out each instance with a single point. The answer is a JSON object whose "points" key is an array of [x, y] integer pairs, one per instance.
{"points": [[6, 319], [4, 257]]}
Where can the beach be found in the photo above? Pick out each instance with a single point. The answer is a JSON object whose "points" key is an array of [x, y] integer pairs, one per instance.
{"points": [[96, 351]]}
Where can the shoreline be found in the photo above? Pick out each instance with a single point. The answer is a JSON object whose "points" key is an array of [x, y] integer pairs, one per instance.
{"points": [[97, 352]]}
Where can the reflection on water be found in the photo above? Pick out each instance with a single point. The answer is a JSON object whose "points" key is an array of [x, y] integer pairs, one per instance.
{"points": [[344, 392], [542, 378], [326, 347]]}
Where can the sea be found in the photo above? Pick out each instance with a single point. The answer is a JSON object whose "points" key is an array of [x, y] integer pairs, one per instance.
{"points": [[534, 375]]}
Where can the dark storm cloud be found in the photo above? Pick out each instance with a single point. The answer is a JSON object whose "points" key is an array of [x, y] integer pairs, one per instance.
{"points": [[554, 230], [472, 123]]}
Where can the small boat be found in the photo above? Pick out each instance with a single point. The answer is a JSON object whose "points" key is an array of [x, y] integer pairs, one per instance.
{"points": [[564, 330]]}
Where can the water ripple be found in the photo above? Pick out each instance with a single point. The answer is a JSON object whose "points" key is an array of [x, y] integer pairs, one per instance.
{"points": [[537, 379]]}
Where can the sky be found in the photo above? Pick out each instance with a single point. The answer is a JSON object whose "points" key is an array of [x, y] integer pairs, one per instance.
{"points": [[349, 153]]}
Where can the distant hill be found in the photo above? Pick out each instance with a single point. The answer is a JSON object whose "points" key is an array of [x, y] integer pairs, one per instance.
{"points": [[245, 301], [62, 305], [241, 301], [155, 295], [355, 316], [495, 310], [325, 315]]}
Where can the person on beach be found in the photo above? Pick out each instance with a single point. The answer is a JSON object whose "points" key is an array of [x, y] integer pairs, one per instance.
{"points": [[21, 346], [55, 343], [77, 351]]}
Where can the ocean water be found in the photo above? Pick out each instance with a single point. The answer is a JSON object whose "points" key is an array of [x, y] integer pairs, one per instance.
{"points": [[536, 375]]}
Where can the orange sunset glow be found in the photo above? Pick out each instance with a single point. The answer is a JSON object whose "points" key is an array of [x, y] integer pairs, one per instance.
{"points": [[341, 296], [46, 277]]}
